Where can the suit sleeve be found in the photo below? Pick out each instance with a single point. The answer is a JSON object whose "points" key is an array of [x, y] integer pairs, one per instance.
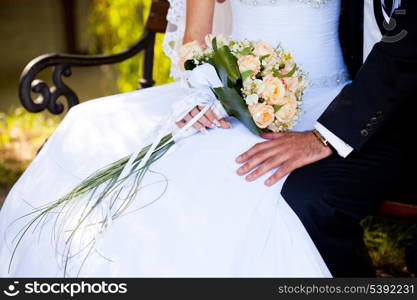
{"points": [[386, 81]]}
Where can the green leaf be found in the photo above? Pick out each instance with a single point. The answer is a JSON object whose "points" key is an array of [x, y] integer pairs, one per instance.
{"points": [[277, 108], [289, 74], [265, 56], [214, 43], [236, 107], [221, 72], [245, 51], [246, 74], [224, 61]]}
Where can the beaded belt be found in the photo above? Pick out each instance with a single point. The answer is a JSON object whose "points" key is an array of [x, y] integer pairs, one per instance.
{"points": [[328, 81]]}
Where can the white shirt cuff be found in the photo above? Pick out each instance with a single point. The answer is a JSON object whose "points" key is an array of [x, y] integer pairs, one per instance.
{"points": [[341, 147]]}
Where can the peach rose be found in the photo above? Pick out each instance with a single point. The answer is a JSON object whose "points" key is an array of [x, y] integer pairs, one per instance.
{"points": [[273, 90], [249, 62], [287, 112], [262, 114], [188, 51], [290, 98], [262, 49]]}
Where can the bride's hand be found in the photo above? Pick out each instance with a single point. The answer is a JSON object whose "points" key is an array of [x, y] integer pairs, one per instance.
{"points": [[208, 120]]}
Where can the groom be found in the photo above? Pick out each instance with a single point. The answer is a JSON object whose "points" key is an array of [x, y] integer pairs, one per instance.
{"points": [[358, 151]]}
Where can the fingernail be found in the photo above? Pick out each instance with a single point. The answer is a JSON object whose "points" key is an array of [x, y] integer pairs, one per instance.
{"points": [[239, 159], [268, 182], [249, 177], [216, 123], [240, 171]]}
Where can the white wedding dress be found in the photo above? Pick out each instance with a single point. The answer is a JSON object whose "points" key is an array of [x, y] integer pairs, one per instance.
{"points": [[209, 222]]}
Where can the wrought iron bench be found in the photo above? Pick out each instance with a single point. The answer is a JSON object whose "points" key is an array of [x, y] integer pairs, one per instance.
{"points": [[62, 64]]}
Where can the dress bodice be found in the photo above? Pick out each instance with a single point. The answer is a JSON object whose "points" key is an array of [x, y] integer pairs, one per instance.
{"points": [[307, 28]]}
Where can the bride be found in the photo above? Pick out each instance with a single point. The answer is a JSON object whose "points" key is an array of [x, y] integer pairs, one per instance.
{"points": [[208, 221]]}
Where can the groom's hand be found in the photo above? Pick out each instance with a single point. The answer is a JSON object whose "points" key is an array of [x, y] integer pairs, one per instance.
{"points": [[286, 151]]}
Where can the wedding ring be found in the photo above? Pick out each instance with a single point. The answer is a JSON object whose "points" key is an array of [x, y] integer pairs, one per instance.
{"points": [[216, 123]]}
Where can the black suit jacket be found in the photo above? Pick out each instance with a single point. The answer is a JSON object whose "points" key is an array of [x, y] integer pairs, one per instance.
{"points": [[386, 82], [370, 114]]}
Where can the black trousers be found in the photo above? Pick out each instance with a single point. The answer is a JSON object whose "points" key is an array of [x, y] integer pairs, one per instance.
{"points": [[333, 195], [411, 256]]}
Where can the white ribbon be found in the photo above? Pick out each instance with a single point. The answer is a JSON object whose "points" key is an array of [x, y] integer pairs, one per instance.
{"points": [[199, 84]]}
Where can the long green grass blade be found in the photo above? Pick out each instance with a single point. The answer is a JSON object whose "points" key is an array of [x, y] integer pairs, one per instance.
{"points": [[85, 199]]}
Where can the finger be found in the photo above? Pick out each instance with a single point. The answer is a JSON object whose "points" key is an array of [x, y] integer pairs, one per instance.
{"points": [[253, 151], [265, 167], [224, 124], [285, 169], [256, 160], [212, 117], [181, 123], [272, 135], [196, 125], [203, 120]]}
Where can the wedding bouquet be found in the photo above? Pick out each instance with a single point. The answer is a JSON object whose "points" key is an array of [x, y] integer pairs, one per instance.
{"points": [[259, 85], [262, 85]]}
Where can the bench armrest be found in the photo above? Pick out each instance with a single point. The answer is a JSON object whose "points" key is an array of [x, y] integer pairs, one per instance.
{"points": [[398, 210], [62, 63]]}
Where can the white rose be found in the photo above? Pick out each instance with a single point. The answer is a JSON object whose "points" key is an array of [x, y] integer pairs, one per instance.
{"points": [[262, 114], [220, 39], [262, 49], [253, 86], [252, 99], [273, 90], [258, 87], [209, 40], [249, 63], [247, 84]]}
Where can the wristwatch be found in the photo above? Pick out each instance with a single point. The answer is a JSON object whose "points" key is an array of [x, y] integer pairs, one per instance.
{"points": [[321, 138]]}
